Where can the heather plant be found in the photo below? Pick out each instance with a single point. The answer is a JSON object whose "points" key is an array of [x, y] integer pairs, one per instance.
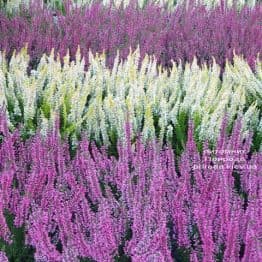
{"points": [[14, 5], [142, 203], [159, 103], [3, 257], [179, 35]]}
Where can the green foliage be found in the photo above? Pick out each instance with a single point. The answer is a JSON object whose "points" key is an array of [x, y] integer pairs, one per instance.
{"points": [[180, 132], [86, 260], [182, 255], [257, 141], [197, 123], [17, 251], [220, 254], [45, 107]]}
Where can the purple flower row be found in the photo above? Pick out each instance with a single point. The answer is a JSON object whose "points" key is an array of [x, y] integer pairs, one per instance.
{"points": [[177, 35], [83, 206]]}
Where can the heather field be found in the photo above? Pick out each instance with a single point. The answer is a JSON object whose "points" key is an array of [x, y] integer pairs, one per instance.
{"points": [[130, 131]]}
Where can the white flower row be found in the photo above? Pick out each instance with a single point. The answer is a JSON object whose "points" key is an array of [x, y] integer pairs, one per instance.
{"points": [[97, 100], [14, 5]]}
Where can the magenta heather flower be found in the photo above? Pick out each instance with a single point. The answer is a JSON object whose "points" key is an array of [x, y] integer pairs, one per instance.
{"points": [[4, 230], [22, 212], [3, 257], [147, 202], [179, 35]]}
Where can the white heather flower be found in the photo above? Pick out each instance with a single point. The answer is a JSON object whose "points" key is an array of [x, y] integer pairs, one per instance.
{"points": [[97, 101]]}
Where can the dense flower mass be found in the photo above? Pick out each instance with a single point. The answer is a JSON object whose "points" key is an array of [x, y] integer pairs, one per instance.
{"points": [[140, 204], [130, 130], [179, 35], [159, 104]]}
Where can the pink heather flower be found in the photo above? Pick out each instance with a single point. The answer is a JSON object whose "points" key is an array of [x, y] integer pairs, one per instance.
{"points": [[6, 180], [166, 35], [86, 204], [4, 230], [3, 257], [22, 212]]}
